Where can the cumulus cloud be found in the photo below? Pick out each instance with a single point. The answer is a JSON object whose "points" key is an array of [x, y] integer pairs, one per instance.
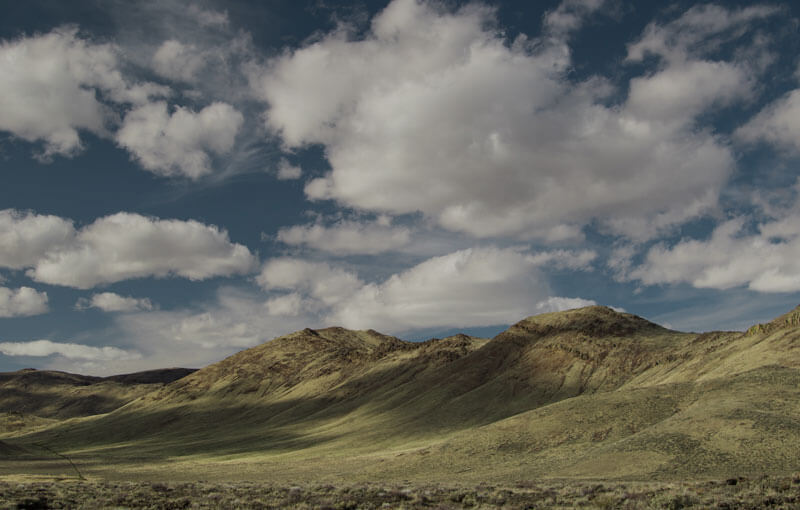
{"points": [[473, 287], [117, 247], [325, 284], [232, 321], [202, 55], [22, 302], [689, 81], [180, 143], [189, 337], [559, 304], [125, 245], [178, 61], [287, 171], [569, 15], [778, 124], [111, 302], [51, 87], [764, 260], [502, 142], [25, 237], [348, 237], [41, 348]]}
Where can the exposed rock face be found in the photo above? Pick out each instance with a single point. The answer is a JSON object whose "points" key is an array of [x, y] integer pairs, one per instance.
{"points": [[788, 320]]}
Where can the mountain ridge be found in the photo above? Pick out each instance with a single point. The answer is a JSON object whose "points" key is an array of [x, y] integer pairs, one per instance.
{"points": [[584, 392]]}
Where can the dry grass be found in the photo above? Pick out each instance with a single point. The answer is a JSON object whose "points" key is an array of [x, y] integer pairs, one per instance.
{"points": [[759, 493], [585, 394], [31, 399]]}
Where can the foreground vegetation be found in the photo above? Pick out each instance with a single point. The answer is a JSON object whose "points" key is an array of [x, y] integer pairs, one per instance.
{"points": [[735, 493]]}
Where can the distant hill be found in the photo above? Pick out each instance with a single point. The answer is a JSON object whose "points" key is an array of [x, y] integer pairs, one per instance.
{"points": [[32, 398], [590, 392]]}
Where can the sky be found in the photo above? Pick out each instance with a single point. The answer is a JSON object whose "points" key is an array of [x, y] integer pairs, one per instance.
{"points": [[182, 180]]}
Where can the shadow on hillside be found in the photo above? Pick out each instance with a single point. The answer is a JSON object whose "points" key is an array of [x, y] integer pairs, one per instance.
{"points": [[43, 403], [410, 399]]}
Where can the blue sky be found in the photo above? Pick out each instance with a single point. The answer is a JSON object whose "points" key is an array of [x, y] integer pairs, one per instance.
{"points": [[183, 180]]}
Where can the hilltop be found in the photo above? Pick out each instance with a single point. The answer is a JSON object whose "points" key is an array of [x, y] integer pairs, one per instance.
{"points": [[585, 393]]}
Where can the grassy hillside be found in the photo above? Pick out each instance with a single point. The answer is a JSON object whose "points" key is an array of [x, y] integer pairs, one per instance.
{"points": [[32, 399], [587, 393]]}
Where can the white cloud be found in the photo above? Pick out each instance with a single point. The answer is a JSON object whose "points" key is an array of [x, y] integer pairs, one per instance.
{"points": [[49, 88], [207, 18], [287, 171], [434, 111], [778, 123], [325, 284], [569, 15], [41, 348], [347, 237], [473, 287], [767, 260], [22, 302], [178, 61], [235, 319], [620, 261], [25, 237], [683, 90], [688, 82], [288, 304], [111, 302], [189, 338], [559, 304], [116, 248], [702, 28], [125, 245], [180, 143]]}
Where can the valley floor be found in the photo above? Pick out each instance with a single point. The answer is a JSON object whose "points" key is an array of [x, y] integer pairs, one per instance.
{"points": [[763, 492]]}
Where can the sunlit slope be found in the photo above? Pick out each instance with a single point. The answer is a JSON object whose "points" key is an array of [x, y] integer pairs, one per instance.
{"points": [[589, 392], [721, 404], [365, 390]]}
